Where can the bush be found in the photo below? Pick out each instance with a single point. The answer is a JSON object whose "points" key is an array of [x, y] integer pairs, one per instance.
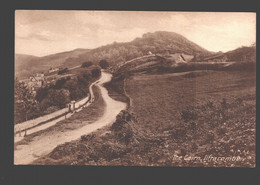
{"points": [[57, 98], [41, 93], [179, 134], [122, 118], [87, 64], [103, 64], [63, 71], [87, 137], [224, 103], [60, 83], [95, 72], [51, 109], [86, 75], [34, 112], [188, 115]]}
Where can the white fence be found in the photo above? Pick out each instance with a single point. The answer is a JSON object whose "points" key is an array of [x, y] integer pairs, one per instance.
{"points": [[145, 56], [34, 122], [81, 102]]}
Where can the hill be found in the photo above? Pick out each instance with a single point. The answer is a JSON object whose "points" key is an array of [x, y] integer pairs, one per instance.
{"points": [[241, 54], [23, 63], [172, 45], [160, 42], [26, 65]]}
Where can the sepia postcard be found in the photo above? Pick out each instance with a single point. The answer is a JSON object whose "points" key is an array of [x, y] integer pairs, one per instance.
{"points": [[135, 88]]}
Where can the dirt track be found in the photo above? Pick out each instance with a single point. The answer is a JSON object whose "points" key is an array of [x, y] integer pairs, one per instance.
{"points": [[25, 154]]}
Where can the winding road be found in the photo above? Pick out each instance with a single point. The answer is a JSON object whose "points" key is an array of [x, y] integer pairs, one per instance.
{"points": [[25, 154]]}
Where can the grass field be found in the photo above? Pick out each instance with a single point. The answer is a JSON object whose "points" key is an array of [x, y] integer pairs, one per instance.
{"points": [[175, 119], [163, 96], [188, 111]]}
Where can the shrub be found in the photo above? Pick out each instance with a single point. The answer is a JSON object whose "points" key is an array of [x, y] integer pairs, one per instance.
{"points": [[87, 137], [51, 109], [222, 131], [179, 134], [86, 75], [87, 64], [57, 98], [224, 103], [210, 104], [122, 118], [41, 93], [63, 71], [103, 64], [60, 83], [95, 73], [210, 138], [188, 115]]}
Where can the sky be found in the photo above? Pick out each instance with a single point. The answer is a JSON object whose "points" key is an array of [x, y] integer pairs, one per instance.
{"points": [[44, 32]]}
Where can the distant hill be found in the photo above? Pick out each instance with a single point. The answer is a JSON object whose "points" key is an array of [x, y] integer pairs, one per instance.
{"points": [[24, 58], [242, 54], [26, 65], [160, 43], [23, 63]]}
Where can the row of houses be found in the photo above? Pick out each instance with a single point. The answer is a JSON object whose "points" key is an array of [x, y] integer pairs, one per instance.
{"points": [[35, 82], [39, 79]]}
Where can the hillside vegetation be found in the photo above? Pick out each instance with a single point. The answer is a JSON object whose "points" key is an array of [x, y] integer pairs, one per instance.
{"points": [[53, 96], [159, 42], [172, 116], [180, 112], [26, 66], [241, 54]]}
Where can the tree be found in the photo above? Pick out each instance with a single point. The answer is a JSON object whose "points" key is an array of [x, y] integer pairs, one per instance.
{"points": [[86, 75], [95, 73], [63, 71], [60, 83], [57, 98], [60, 97], [41, 93], [87, 64], [24, 103], [103, 64]]}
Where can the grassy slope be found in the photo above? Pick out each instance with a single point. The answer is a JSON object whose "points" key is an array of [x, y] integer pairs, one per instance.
{"points": [[167, 94], [28, 65], [158, 102], [159, 132]]}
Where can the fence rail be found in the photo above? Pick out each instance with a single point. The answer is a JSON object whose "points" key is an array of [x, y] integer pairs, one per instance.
{"points": [[34, 122]]}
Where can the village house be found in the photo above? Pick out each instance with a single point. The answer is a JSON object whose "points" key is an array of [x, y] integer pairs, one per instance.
{"points": [[35, 82]]}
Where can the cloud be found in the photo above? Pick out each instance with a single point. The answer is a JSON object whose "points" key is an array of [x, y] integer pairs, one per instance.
{"points": [[52, 31], [42, 35], [31, 16], [35, 36]]}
